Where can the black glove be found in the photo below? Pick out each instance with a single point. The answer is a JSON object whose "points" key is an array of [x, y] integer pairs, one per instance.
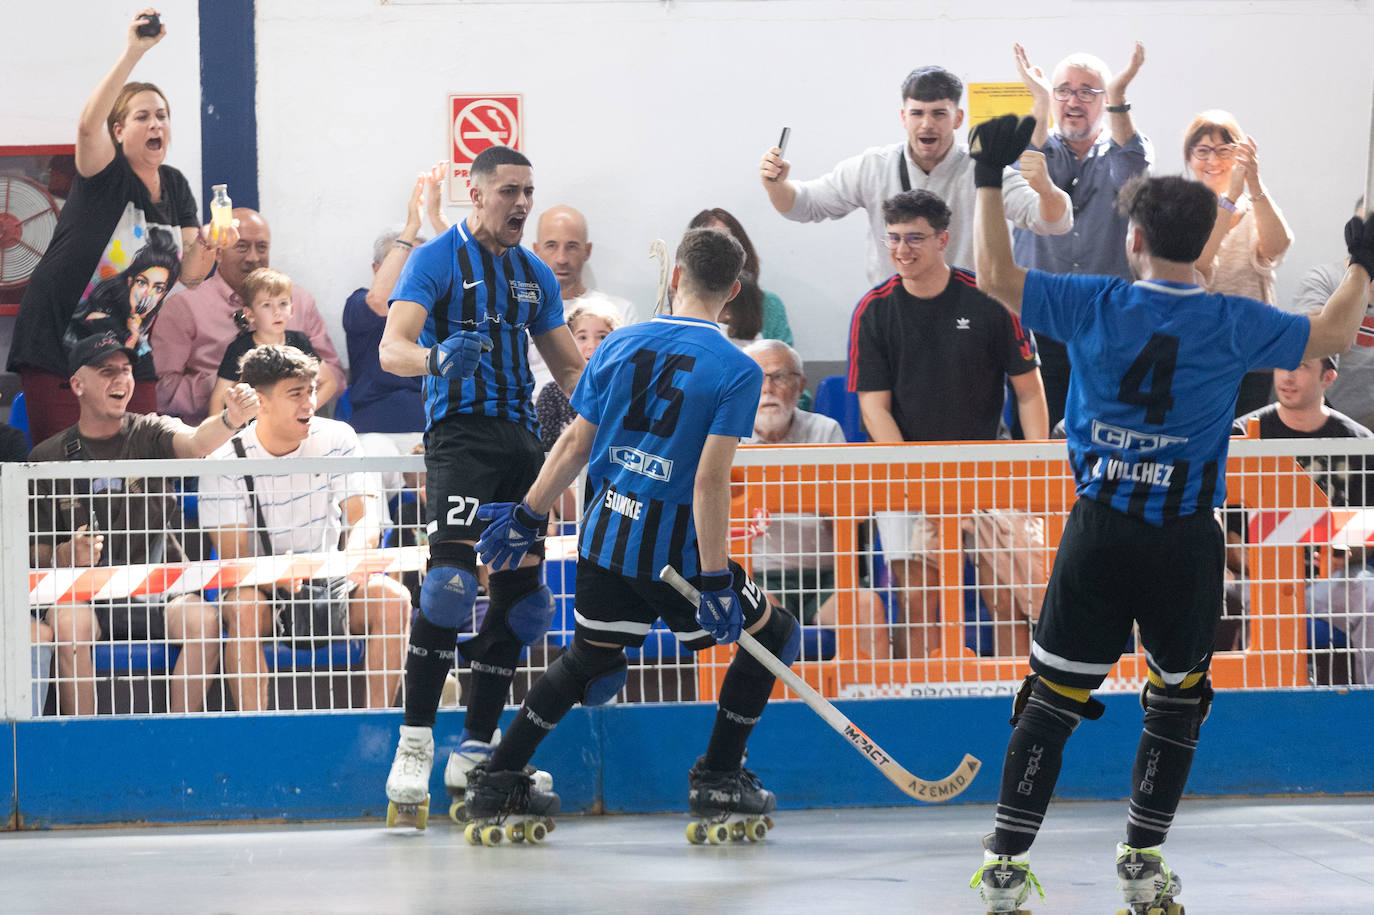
{"points": [[1359, 241], [997, 143]]}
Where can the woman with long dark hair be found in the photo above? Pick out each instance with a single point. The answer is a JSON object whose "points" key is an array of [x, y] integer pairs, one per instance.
{"points": [[753, 314], [123, 189], [128, 302]]}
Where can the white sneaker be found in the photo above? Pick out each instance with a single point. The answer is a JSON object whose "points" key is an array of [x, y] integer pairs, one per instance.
{"points": [[408, 781], [472, 752]]}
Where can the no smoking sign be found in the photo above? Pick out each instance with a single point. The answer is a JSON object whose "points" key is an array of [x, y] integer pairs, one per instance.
{"points": [[475, 123]]}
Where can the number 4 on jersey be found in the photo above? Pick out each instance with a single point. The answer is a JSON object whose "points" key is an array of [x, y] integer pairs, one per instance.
{"points": [[1157, 362]]}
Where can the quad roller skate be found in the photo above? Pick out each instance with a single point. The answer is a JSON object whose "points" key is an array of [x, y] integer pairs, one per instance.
{"points": [[509, 804], [1004, 881], [407, 785], [731, 806], [461, 761], [1148, 884]]}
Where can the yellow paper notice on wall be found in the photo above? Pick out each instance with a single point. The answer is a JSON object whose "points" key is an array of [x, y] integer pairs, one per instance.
{"points": [[989, 100]]}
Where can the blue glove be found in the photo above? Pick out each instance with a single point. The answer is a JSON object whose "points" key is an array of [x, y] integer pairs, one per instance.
{"points": [[457, 357], [511, 533], [720, 611]]}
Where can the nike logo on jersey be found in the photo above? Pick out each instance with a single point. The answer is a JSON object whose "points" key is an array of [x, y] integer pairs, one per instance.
{"points": [[474, 285], [961, 323]]}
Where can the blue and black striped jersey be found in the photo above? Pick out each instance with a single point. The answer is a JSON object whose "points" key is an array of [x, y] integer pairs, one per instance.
{"points": [[1156, 369], [655, 391], [464, 286]]}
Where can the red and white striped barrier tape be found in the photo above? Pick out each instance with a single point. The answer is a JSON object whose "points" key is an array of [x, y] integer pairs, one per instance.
{"points": [[56, 586], [1344, 527]]}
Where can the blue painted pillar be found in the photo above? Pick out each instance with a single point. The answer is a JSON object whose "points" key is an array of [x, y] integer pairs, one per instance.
{"points": [[228, 95]]}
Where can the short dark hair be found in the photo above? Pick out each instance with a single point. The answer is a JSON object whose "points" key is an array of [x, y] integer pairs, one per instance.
{"points": [[263, 366], [1175, 214], [489, 159], [711, 260], [931, 84], [909, 206]]}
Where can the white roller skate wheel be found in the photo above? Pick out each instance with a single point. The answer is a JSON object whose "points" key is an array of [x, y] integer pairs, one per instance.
{"points": [[491, 835], [473, 834], [696, 833], [391, 814], [755, 830], [515, 832], [536, 832], [718, 834]]}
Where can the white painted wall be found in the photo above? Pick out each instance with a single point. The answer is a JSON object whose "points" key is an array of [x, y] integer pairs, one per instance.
{"points": [[641, 112]]}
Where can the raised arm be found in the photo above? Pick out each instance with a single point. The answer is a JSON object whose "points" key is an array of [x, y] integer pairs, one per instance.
{"points": [[773, 172], [1121, 122], [389, 270], [996, 144], [94, 147], [1038, 84], [1274, 234], [1334, 327]]}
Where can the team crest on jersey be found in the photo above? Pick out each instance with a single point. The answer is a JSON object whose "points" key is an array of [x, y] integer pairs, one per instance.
{"points": [[643, 463], [523, 291]]}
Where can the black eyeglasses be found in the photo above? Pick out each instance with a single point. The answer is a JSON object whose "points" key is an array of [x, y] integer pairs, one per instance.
{"points": [[1085, 95], [780, 379], [1203, 153], [913, 239]]}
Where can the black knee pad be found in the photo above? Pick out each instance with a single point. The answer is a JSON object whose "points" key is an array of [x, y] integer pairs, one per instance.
{"points": [[1177, 713], [1091, 710], [591, 674], [452, 553], [781, 635]]}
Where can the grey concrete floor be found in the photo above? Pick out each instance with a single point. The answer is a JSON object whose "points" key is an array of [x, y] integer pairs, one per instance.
{"points": [[1308, 856]]}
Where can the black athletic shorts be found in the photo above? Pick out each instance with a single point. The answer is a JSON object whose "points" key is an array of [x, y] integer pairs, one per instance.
{"points": [[472, 460], [1112, 570], [619, 610]]}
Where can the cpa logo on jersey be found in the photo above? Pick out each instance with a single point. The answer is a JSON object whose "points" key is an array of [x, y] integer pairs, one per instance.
{"points": [[1120, 439], [643, 463]]}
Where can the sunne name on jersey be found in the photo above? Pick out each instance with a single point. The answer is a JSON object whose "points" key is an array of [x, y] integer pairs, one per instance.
{"points": [[1143, 472], [623, 505]]}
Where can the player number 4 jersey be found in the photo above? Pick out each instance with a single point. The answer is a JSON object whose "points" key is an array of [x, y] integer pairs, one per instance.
{"points": [[1156, 368], [655, 391]]}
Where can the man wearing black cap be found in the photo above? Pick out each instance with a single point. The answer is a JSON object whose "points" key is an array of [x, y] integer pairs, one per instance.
{"points": [[127, 522]]}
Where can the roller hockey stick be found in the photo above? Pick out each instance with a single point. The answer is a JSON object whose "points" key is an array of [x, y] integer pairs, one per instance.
{"points": [[918, 788], [658, 250]]}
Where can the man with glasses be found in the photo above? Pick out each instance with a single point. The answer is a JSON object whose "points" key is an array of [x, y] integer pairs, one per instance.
{"points": [[929, 355], [794, 559], [1089, 163], [930, 158]]}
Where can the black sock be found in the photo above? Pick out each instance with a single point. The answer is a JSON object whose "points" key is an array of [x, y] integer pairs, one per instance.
{"points": [[1162, 761], [548, 701], [743, 697], [1031, 769], [491, 676], [429, 658]]}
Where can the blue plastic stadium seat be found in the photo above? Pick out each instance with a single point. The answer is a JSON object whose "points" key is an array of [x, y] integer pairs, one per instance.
{"points": [[130, 656], [19, 416], [818, 643], [842, 405], [339, 654]]}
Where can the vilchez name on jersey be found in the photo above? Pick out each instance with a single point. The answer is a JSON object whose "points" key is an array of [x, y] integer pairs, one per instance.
{"points": [[1143, 472]]}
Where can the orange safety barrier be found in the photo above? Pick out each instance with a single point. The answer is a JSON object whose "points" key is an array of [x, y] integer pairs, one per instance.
{"points": [[849, 493]]}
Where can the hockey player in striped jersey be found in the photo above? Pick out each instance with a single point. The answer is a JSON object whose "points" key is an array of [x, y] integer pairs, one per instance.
{"points": [[1157, 364], [661, 409], [462, 314]]}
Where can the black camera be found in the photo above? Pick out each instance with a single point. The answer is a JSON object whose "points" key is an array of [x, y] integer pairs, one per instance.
{"points": [[151, 28]]}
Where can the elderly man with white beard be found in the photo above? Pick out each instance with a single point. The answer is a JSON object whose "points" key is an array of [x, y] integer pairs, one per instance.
{"points": [[794, 558]]}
